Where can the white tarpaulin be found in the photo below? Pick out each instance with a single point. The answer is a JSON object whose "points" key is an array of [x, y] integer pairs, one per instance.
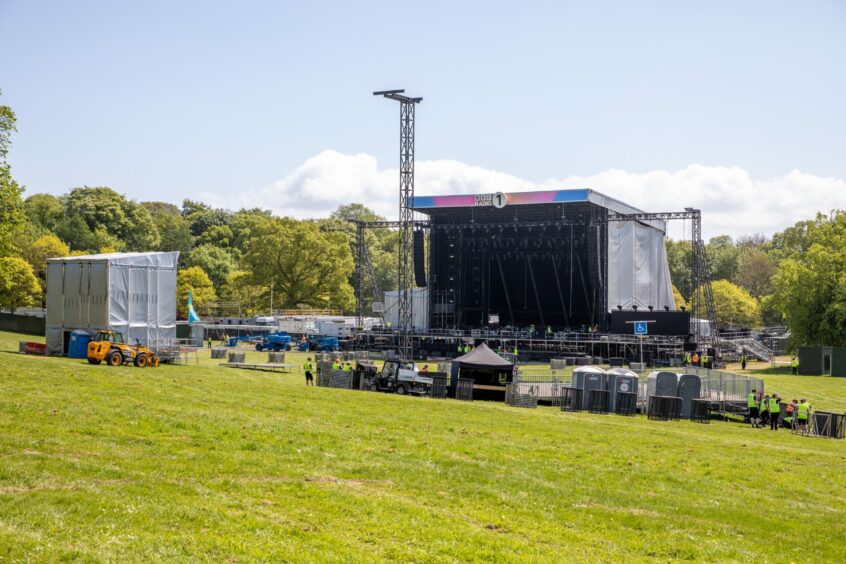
{"points": [[130, 293], [638, 271], [420, 304]]}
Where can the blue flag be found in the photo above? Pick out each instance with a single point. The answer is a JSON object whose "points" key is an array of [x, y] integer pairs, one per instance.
{"points": [[192, 315]]}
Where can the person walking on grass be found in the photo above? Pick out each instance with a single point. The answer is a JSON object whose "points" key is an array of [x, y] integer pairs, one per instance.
{"points": [[794, 366], [775, 410], [308, 368], [743, 362], [752, 405]]}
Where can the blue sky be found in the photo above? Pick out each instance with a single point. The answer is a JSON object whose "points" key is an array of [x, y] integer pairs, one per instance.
{"points": [[165, 100]]}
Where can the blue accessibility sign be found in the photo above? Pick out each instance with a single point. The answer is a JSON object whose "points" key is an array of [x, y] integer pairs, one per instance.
{"points": [[641, 328]]}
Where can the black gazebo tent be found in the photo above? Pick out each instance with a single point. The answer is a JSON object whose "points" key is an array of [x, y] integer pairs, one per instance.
{"points": [[489, 372]]}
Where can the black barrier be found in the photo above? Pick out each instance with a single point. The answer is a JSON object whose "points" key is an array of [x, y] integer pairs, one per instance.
{"points": [[464, 389], [664, 408], [598, 401], [625, 404], [700, 411], [571, 399], [439, 387], [828, 425]]}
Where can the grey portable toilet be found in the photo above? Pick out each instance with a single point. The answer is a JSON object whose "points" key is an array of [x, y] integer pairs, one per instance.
{"points": [[588, 378], [688, 390], [661, 383], [621, 380]]}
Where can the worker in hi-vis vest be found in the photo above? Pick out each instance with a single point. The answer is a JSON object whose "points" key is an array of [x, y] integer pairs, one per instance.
{"points": [[309, 371], [775, 411], [803, 413], [752, 405]]}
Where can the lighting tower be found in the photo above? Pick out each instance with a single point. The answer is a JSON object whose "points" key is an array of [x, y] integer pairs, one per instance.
{"points": [[405, 304]]}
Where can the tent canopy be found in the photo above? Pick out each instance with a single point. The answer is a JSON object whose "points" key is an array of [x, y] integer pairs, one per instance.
{"points": [[482, 357]]}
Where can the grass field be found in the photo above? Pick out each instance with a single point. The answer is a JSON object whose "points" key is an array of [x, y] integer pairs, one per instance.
{"points": [[199, 462]]}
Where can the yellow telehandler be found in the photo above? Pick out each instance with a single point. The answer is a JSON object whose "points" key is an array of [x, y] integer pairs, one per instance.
{"points": [[109, 346]]}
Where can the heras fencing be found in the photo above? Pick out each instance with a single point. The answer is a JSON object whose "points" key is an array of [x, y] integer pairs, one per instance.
{"points": [[724, 386]]}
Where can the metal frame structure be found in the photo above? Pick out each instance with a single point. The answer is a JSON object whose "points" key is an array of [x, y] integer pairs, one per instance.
{"points": [[699, 267], [406, 217], [363, 265]]}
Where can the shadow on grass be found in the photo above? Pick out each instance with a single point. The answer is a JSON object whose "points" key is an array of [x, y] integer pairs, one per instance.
{"points": [[781, 371]]}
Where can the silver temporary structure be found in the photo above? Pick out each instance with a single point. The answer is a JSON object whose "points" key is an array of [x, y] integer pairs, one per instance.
{"points": [[130, 293]]}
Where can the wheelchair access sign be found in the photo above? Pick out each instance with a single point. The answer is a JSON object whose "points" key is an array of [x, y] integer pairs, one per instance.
{"points": [[641, 328]]}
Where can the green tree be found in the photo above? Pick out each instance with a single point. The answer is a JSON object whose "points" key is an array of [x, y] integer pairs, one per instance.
{"points": [[174, 230], [756, 272], [44, 211], [735, 307], [193, 279], [18, 285], [202, 218], [216, 262], [810, 286], [679, 259], [242, 224], [678, 299], [43, 248], [100, 217], [13, 220], [246, 297], [306, 266], [8, 125], [723, 257]]}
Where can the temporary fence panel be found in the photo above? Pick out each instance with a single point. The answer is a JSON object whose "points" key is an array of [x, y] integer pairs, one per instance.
{"points": [[439, 385], [598, 401], [828, 425], [521, 395], [625, 403], [571, 399], [700, 411], [664, 408], [464, 389]]}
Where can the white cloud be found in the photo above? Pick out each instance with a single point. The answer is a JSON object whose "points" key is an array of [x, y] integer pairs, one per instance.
{"points": [[731, 201]]}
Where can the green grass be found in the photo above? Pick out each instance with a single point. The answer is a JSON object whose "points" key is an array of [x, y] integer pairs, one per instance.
{"points": [[199, 462]]}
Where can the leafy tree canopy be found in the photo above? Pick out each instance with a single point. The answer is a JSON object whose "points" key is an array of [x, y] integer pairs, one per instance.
{"points": [[99, 216], [193, 279], [18, 285], [305, 265]]}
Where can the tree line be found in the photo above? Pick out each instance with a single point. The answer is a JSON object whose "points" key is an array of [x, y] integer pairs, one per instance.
{"points": [[233, 260]]}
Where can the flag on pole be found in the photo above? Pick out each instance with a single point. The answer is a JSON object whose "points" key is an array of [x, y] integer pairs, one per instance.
{"points": [[192, 315]]}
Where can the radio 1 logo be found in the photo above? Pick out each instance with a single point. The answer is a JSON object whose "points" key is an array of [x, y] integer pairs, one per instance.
{"points": [[497, 200]]}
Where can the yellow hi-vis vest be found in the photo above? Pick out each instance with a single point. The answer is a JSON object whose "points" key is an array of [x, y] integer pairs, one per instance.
{"points": [[804, 408], [307, 366], [775, 405], [750, 401], [336, 366]]}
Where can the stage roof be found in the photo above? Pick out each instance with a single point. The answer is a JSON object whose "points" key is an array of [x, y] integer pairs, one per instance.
{"points": [[424, 203]]}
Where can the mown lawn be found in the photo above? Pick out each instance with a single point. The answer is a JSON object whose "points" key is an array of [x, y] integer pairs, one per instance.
{"points": [[184, 463]]}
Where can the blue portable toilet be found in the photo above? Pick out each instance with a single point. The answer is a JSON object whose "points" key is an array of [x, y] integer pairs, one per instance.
{"points": [[78, 344]]}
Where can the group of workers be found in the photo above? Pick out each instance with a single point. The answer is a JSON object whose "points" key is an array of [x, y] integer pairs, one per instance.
{"points": [[766, 409], [696, 359]]}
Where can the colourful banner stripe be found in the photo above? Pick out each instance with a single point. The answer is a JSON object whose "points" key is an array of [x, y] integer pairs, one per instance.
{"points": [[512, 198]]}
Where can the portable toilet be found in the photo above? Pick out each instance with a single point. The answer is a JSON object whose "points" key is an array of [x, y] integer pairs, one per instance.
{"points": [[587, 378], [688, 390], [78, 344], [661, 383], [621, 381]]}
